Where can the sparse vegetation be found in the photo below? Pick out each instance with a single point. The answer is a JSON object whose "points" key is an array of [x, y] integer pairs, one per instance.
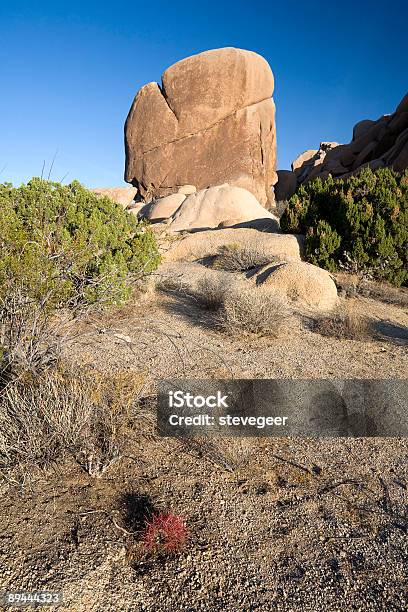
{"points": [[240, 307], [356, 284], [64, 251], [65, 411], [346, 323], [253, 310], [211, 291], [362, 219], [241, 257]]}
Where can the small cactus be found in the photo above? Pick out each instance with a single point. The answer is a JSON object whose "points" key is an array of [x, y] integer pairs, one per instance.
{"points": [[164, 532]]}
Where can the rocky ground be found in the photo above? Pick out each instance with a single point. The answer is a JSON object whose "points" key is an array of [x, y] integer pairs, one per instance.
{"points": [[292, 525], [283, 524]]}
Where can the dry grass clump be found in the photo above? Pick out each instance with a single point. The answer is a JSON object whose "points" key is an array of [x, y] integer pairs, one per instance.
{"points": [[354, 284], [253, 310], [241, 257], [172, 284], [211, 290], [64, 411], [345, 324]]}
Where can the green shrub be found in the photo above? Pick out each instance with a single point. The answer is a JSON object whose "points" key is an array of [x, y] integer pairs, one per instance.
{"points": [[362, 219], [69, 245], [61, 247]]}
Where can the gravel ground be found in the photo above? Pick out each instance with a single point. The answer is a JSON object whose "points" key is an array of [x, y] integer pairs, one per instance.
{"points": [[283, 524], [296, 525]]}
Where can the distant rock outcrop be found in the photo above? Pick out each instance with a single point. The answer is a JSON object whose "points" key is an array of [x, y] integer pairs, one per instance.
{"points": [[122, 195], [211, 121], [376, 144]]}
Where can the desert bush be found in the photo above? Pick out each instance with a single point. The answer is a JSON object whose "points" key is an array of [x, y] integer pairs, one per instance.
{"points": [[62, 247], [65, 411], [241, 257], [345, 324], [70, 243], [165, 532], [211, 290], [363, 219], [255, 310]]}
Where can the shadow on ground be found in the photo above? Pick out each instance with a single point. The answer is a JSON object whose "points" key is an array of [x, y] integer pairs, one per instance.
{"points": [[392, 332], [136, 509], [188, 307]]}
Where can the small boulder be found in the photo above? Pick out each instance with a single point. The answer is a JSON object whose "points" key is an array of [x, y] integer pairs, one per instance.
{"points": [[162, 208], [120, 195], [303, 284]]}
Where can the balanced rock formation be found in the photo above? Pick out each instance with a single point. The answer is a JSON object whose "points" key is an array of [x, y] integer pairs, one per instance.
{"points": [[211, 120], [376, 144]]}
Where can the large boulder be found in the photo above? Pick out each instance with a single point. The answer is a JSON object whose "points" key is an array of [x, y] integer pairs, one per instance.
{"points": [[303, 284], [212, 120], [221, 206], [193, 247]]}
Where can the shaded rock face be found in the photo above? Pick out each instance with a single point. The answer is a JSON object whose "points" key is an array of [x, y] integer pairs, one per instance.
{"points": [[211, 121], [376, 144], [286, 185]]}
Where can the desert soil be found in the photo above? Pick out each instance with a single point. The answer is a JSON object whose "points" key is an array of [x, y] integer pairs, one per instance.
{"points": [[283, 524]]}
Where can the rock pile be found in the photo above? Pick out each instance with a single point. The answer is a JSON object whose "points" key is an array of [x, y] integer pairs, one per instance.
{"points": [[201, 151], [211, 121], [215, 207], [376, 144]]}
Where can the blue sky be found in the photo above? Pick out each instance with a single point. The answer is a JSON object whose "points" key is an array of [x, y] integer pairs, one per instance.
{"points": [[69, 71]]}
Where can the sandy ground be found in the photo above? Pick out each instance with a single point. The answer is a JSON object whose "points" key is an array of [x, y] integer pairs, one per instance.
{"points": [[283, 524], [170, 335]]}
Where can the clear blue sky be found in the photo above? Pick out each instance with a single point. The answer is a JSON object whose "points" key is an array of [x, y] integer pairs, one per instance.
{"points": [[70, 69]]}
